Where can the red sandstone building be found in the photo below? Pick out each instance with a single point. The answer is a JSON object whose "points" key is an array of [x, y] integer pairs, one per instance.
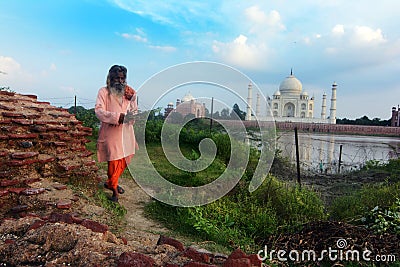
{"points": [[187, 105]]}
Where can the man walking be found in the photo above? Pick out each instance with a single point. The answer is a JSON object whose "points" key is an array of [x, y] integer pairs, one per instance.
{"points": [[116, 144]]}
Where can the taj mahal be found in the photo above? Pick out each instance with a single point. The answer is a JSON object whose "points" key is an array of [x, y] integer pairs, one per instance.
{"points": [[291, 104]]}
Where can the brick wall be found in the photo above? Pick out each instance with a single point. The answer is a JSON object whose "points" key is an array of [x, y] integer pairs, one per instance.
{"points": [[39, 141]]}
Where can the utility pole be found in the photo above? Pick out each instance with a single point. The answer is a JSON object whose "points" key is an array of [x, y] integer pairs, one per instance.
{"points": [[212, 110], [296, 139], [75, 106]]}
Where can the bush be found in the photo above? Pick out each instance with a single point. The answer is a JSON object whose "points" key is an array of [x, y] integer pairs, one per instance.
{"points": [[367, 198]]}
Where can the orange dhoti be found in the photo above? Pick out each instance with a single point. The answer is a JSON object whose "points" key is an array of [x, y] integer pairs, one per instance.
{"points": [[115, 169]]}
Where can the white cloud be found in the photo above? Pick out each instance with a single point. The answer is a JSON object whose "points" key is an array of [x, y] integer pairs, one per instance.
{"points": [[241, 53], [338, 29], [262, 22], [135, 37], [9, 66], [168, 49], [364, 34]]}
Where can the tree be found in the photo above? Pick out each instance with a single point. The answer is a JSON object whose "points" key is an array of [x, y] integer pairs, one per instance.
{"points": [[225, 114]]}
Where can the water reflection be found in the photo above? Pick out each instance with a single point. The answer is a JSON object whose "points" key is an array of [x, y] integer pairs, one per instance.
{"points": [[320, 152]]}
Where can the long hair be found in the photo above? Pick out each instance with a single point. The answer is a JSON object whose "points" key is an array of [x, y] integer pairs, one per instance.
{"points": [[113, 73]]}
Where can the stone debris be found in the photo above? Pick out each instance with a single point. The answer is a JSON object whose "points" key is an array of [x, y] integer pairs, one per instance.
{"points": [[65, 239]]}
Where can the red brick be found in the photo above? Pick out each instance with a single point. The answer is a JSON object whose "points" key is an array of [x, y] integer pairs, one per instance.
{"points": [[59, 143], [244, 262], [3, 137], [44, 158], [33, 191], [90, 163], [4, 153], [95, 226], [128, 259], [77, 220], [86, 154], [84, 141], [64, 204], [10, 129], [65, 138], [5, 183], [38, 128], [57, 128], [39, 109], [36, 224], [42, 102], [16, 190], [23, 136], [9, 241], [58, 217], [46, 136], [22, 121], [60, 186], [6, 93], [255, 260], [84, 128], [32, 116], [23, 155], [3, 193], [77, 134], [197, 264], [22, 162], [195, 255], [12, 115], [5, 121], [237, 254], [34, 97], [68, 168], [170, 241]]}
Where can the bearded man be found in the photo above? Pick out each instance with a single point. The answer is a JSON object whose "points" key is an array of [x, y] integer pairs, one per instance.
{"points": [[115, 105]]}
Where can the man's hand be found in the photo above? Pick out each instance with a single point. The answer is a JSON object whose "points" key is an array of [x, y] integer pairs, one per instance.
{"points": [[130, 116], [121, 118]]}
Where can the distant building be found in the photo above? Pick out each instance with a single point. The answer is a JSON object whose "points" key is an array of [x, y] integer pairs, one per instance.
{"points": [[168, 109], [395, 121], [185, 106], [291, 103]]}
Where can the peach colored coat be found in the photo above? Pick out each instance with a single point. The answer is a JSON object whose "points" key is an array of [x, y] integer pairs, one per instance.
{"points": [[116, 141]]}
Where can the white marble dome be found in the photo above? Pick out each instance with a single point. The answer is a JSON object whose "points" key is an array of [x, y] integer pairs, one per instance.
{"points": [[188, 97], [291, 85]]}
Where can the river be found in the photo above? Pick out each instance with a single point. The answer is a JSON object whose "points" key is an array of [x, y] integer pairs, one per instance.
{"points": [[321, 152]]}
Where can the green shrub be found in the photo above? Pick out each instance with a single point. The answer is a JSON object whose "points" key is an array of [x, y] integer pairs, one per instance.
{"points": [[383, 220], [368, 197]]}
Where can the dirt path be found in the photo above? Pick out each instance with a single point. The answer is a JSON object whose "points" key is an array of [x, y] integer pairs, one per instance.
{"points": [[139, 229]]}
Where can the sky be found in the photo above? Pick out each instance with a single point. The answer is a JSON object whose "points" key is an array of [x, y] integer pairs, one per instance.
{"points": [[59, 49]]}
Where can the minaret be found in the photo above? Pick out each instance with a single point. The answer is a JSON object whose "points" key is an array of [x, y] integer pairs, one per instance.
{"points": [[248, 113], [258, 112], [323, 110], [332, 117]]}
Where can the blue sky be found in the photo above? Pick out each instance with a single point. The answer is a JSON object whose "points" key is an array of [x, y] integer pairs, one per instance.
{"points": [[57, 49]]}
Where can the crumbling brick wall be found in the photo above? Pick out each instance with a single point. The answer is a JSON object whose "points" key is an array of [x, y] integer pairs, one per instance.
{"points": [[39, 141]]}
